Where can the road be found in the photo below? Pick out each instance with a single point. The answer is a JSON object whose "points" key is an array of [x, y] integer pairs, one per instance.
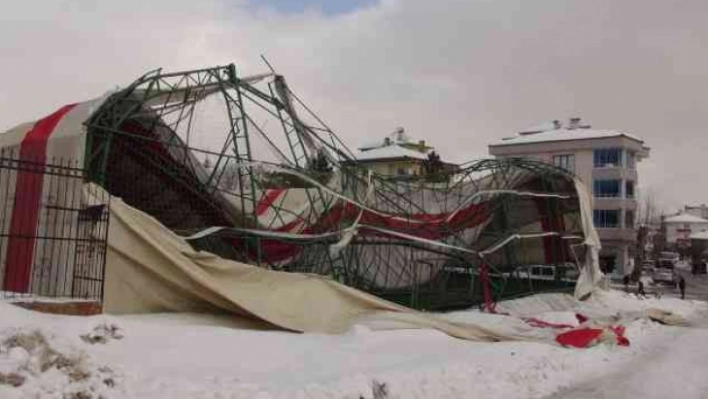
{"points": [[696, 285], [675, 368]]}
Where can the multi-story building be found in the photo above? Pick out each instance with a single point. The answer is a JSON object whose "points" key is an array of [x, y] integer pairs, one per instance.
{"points": [[605, 160]]}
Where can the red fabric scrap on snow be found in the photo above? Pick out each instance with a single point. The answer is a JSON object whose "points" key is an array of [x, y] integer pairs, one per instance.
{"points": [[584, 337], [580, 338], [619, 333]]}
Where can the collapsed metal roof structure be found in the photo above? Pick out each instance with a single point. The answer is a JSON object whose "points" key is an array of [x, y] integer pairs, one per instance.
{"points": [[282, 191]]}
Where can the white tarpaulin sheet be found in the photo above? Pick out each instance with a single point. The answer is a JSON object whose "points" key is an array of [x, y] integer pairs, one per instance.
{"points": [[151, 269]]}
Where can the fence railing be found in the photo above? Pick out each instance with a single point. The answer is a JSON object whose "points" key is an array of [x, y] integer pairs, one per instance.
{"points": [[53, 230]]}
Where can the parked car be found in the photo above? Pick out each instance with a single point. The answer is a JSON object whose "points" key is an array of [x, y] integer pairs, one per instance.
{"points": [[543, 272], [665, 270], [663, 275], [565, 272], [666, 255]]}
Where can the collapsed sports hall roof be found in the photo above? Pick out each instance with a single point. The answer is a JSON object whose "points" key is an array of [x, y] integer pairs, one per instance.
{"points": [[278, 193]]}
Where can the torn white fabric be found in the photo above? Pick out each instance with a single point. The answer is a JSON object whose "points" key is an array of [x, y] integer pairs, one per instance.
{"points": [[590, 274]]}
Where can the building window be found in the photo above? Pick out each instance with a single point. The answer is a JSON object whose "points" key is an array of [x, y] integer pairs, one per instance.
{"points": [[401, 172], [629, 219], [607, 157], [566, 162], [606, 188], [606, 218], [629, 189], [631, 160]]}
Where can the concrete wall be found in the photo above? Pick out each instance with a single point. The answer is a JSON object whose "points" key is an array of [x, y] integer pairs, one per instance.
{"points": [[390, 168]]}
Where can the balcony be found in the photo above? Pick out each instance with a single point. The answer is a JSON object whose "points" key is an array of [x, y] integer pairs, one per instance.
{"points": [[616, 234], [614, 203], [614, 173]]}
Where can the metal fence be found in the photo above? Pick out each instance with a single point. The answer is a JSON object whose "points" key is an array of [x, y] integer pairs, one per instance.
{"points": [[53, 230]]}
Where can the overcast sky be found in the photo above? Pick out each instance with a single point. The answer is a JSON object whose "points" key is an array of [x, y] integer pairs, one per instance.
{"points": [[460, 74]]}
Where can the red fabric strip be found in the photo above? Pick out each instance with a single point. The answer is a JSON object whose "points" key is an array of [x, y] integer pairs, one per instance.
{"points": [[28, 197], [267, 200], [275, 251], [489, 305]]}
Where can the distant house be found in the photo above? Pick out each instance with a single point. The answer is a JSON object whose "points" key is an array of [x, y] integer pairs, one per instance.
{"points": [[679, 228], [605, 160], [397, 155]]}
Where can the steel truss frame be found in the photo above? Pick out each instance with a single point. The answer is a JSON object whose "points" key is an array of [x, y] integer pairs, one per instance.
{"points": [[400, 248]]}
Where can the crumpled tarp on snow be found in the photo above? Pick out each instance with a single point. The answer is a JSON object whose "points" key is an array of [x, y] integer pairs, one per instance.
{"points": [[151, 269]]}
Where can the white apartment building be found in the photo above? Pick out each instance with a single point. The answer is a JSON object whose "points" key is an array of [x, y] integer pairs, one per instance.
{"points": [[605, 160]]}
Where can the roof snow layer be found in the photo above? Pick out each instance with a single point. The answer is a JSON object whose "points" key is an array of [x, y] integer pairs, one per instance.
{"points": [[564, 135]]}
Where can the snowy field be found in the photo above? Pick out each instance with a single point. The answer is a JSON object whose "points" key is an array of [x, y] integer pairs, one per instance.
{"points": [[195, 356]]}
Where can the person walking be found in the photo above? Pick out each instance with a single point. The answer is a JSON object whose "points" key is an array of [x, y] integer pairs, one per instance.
{"points": [[625, 280], [682, 287], [640, 289]]}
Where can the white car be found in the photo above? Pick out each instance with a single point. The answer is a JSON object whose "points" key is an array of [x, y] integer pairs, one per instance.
{"points": [[548, 272], [664, 275]]}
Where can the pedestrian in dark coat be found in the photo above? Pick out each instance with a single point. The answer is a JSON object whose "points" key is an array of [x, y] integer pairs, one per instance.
{"points": [[640, 289], [682, 287], [625, 280]]}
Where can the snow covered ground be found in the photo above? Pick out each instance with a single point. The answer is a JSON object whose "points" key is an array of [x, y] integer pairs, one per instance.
{"points": [[197, 356]]}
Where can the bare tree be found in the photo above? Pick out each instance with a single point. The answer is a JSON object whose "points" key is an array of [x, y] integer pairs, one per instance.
{"points": [[640, 251], [647, 210], [648, 217]]}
